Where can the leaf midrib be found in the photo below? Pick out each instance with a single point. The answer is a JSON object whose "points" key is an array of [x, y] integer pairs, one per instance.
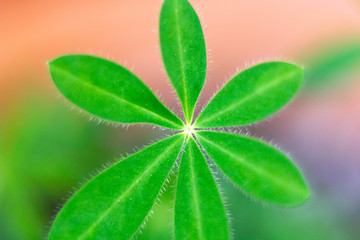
{"points": [[255, 169], [181, 57], [196, 195], [126, 193], [247, 98], [104, 91]]}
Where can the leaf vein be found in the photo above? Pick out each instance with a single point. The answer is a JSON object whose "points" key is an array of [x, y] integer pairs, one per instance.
{"points": [[126, 193], [196, 196], [260, 171], [248, 97], [181, 57], [104, 91]]}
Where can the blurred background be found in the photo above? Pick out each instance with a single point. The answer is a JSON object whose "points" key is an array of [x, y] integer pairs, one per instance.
{"points": [[48, 150]]}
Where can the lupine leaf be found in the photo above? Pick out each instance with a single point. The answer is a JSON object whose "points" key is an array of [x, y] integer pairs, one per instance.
{"points": [[256, 167], [252, 95], [109, 91], [115, 203], [199, 212], [183, 49]]}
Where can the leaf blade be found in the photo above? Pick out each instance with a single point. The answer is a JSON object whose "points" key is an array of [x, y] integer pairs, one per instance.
{"points": [[116, 202], [255, 167], [199, 211], [183, 50], [252, 95], [109, 91]]}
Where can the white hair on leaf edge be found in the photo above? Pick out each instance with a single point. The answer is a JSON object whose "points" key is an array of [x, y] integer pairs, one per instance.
{"points": [[160, 194]]}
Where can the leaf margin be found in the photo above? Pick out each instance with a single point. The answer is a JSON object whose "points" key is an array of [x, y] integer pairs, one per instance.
{"points": [[169, 63], [193, 158], [209, 111], [304, 192], [180, 139], [175, 124]]}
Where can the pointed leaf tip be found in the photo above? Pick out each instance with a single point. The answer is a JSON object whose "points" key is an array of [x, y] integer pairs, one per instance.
{"points": [[252, 95], [116, 202], [183, 51], [255, 167]]}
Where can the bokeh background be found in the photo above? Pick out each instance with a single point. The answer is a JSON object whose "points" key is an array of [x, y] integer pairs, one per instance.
{"points": [[48, 150]]}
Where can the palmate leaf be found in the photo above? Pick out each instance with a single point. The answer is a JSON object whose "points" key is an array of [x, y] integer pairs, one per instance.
{"points": [[115, 203], [199, 212], [252, 95], [183, 50], [256, 167], [109, 91]]}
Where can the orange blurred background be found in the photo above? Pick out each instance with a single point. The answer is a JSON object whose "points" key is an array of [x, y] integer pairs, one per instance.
{"points": [[237, 32]]}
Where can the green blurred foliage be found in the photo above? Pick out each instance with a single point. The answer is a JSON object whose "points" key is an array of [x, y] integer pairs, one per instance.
{"points": [[251, 219], [46, 150], [315, 220], [332, 65]]}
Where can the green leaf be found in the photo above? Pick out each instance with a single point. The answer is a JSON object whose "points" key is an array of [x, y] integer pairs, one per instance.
{"points": [[183, 50], [199, 212], [115, 203], [252, 95], [256, 167], [109, 91]]}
